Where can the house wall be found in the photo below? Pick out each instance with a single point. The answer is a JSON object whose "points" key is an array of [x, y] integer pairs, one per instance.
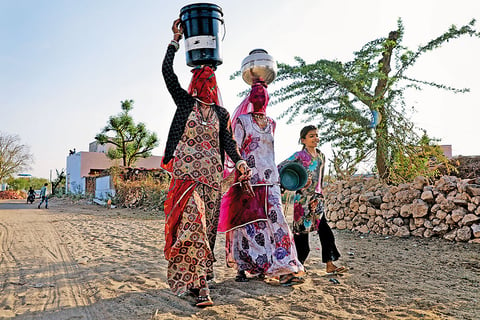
{"points": [[447, 150], [152, 162], [80, 163], [104, 188], [95, 160], [73, 181], [97, 147]]}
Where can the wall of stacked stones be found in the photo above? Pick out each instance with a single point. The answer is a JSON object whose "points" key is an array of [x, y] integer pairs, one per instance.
{"points": [[449, 209]]}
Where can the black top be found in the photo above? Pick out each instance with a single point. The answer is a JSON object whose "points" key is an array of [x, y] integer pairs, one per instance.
{"points": [[185, 102]]}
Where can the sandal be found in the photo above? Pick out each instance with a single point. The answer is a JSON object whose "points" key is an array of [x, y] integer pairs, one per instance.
{"points": [[195, 292], [339, 270], [210, 276], [299, 274], [204, 301], [241, 276], [260, 277], [290, 280]]}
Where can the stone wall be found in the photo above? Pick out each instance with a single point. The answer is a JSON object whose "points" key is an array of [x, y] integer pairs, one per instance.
{"points": [[449, 209]]}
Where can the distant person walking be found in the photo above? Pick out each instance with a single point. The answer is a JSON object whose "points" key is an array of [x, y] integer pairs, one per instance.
{"points": [[44, 196]]}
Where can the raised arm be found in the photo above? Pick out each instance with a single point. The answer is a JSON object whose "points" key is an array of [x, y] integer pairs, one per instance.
{"points": [[179, 95]]}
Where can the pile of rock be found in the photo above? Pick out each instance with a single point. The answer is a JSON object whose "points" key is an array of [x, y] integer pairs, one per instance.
{"points": [[450, 208]]}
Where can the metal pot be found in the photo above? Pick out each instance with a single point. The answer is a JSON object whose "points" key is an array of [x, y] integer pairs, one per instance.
{"points": [[259, 64]]}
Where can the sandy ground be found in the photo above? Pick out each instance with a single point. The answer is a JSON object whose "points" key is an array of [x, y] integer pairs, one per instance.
{"points": [[81, 261]]}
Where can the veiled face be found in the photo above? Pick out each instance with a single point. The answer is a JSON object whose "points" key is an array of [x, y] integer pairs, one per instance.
{"points": [[204, 85], [259, 98]]}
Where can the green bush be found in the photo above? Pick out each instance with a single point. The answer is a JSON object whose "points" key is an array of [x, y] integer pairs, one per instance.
{"points": [[426, 159]]}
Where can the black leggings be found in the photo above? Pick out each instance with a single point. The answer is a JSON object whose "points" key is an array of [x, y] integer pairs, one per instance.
{"points": [[327, 240]]}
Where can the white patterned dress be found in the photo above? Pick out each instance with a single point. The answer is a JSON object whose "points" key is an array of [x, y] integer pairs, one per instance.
{"points": [[262, 247]]}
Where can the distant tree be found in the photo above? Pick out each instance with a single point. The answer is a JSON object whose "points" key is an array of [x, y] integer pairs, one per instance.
{"points": [[25, 183], [131, 141], [18, 183], [59, 181], [359, 104], [14, 156]]}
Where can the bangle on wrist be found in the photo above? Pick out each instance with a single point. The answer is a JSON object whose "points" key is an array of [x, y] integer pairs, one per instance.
{"points": [[175, 44], [239, 163]]}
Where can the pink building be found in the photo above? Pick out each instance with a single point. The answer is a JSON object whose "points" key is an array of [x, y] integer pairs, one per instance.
{"points": [[79, 165]]}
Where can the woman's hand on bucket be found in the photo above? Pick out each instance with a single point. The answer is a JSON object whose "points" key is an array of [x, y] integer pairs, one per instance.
{"points": [[177, 30]]}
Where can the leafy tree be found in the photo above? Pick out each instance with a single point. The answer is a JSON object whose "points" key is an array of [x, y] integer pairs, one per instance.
{"points": [[26, 183], [360, 103], [131, 141], [14, 156]]}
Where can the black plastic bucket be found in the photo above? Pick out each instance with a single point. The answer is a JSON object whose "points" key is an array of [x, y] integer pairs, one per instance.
{"points": [[201, 24]]}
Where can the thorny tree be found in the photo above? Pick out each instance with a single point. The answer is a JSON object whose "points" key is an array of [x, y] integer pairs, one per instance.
{"points": [[360, 104]]}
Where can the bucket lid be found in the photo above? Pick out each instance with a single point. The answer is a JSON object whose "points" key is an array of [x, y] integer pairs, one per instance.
{"points": [[197, 6]]}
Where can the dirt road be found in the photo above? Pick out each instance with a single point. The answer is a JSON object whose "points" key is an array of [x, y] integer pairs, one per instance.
{"points": [[87, 262], [38, 271]]}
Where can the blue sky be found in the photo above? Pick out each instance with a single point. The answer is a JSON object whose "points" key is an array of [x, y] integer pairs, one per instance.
{"points": [[66, 65]]}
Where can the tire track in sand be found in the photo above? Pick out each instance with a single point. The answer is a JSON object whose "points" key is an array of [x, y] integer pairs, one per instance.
{"points": [[10, 271], [38, 272]]}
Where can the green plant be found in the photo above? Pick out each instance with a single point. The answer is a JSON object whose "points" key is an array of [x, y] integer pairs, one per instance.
{"points": [[424, 159]]}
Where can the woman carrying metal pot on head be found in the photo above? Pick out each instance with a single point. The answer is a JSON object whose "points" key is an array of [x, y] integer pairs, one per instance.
{"points": [[199, 136], [258, 239], [308, 212]]}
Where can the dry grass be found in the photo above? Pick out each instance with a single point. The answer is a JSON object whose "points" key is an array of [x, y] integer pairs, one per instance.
{"points": [[147, 193]]}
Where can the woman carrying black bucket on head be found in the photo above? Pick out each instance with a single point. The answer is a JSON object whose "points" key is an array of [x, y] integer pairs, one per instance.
{"points": [[199, 137], [308, 212]]}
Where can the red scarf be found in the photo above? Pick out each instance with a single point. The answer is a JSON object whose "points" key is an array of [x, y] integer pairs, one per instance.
{"points": [[204, 85]]}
